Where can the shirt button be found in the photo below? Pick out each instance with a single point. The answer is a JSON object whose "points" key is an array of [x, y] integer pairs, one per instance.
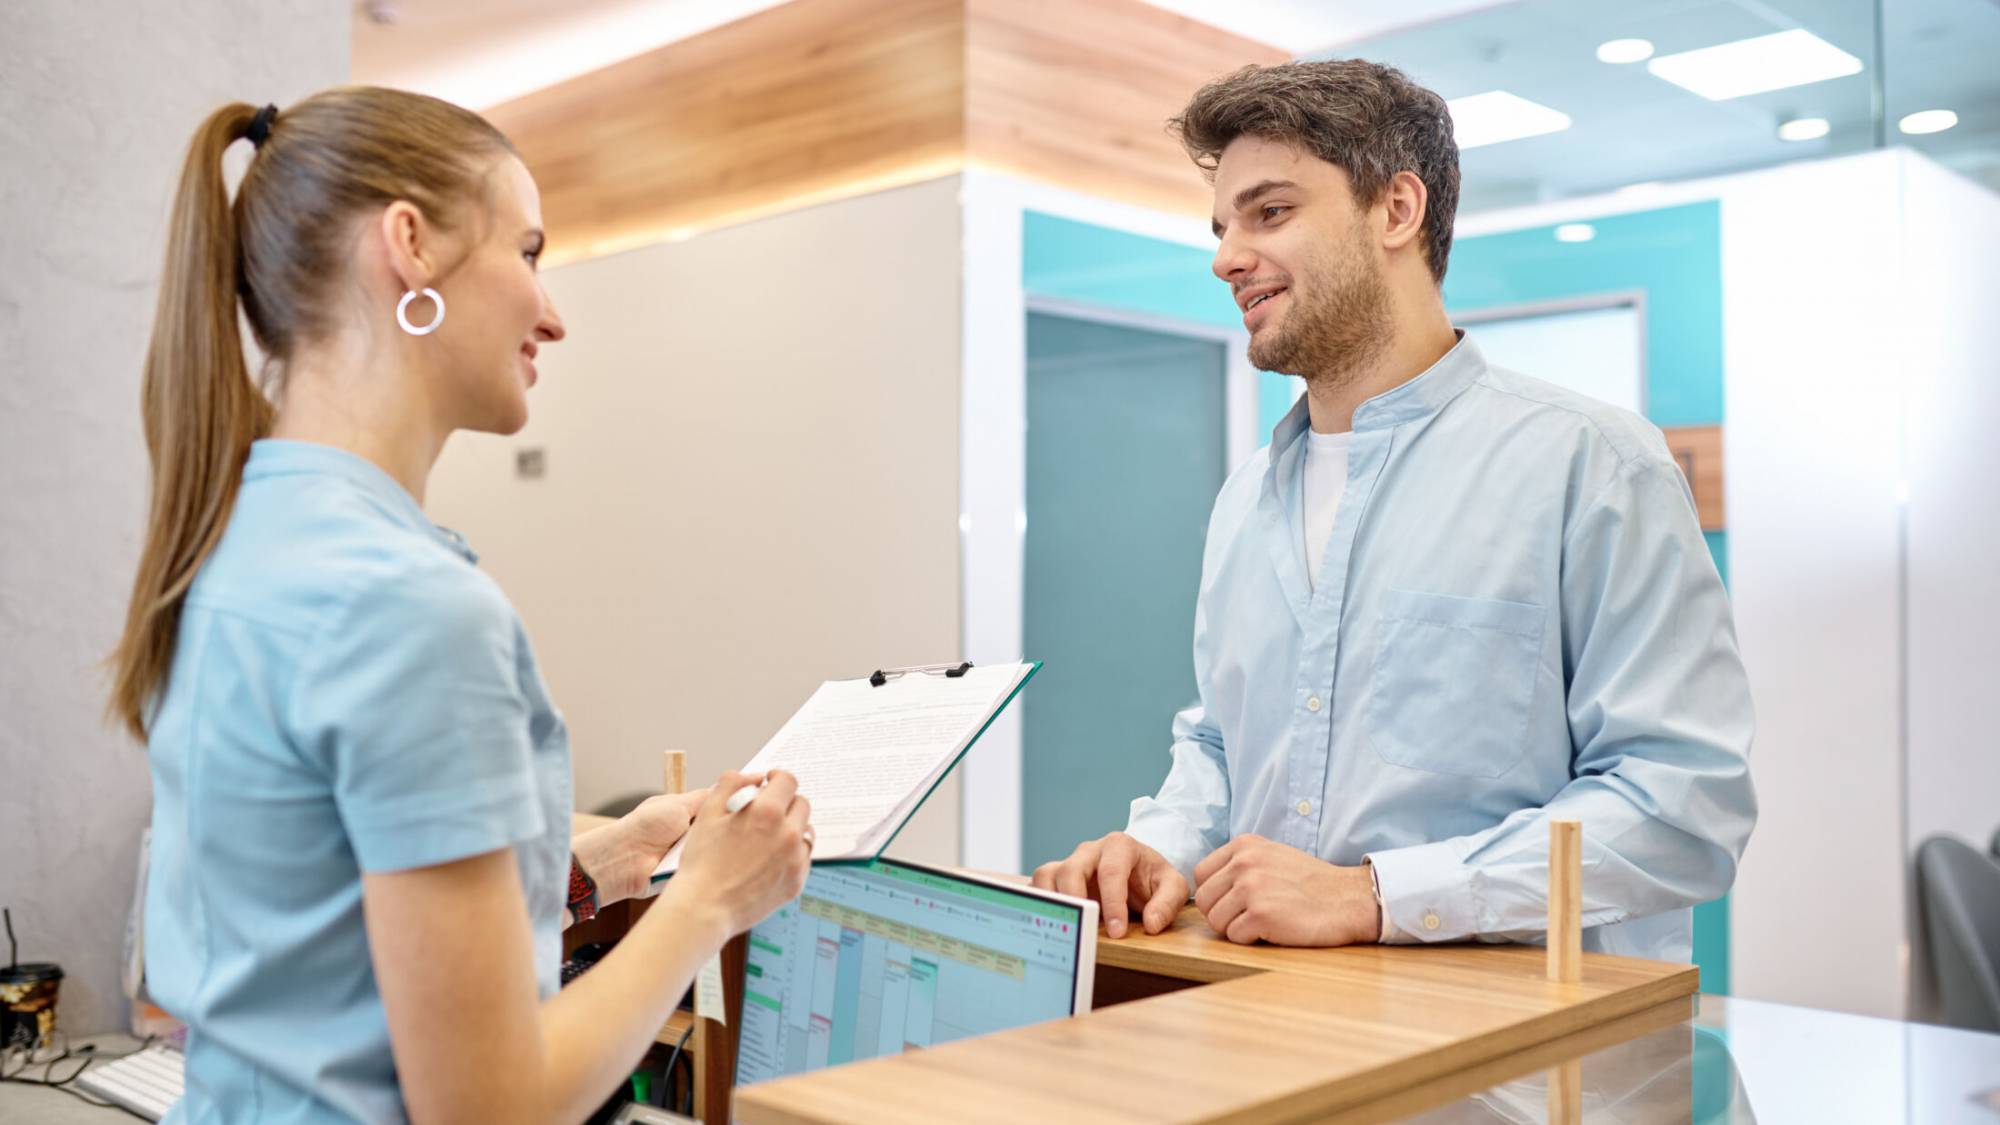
{"points": [[1312, 703], [1431, 922], [1305, 808]]}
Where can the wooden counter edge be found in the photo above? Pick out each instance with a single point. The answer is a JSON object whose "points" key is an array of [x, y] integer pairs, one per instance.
{"points": [[1426, 1096], [1317, 1101]]}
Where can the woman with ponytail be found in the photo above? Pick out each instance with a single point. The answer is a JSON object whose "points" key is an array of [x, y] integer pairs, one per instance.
{"points": [[361, 854]]}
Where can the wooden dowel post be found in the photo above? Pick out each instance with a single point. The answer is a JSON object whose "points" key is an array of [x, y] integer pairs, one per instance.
{"points": [[1566, 1093], [1566, 901], [675, 771]]}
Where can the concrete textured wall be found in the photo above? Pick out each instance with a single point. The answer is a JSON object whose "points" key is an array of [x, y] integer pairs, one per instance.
{"points": [[97, 102]]}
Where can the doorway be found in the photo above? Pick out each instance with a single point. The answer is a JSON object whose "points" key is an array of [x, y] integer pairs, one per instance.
{"points": [[1128, 441]]}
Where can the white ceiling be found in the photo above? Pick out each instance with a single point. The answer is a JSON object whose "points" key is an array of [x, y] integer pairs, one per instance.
{"points": [[1628, 125], [483, 52], [1304, 27], [1631, 127], [480, 53]]}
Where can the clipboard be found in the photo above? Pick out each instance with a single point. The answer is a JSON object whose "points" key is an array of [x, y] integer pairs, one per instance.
{"points": [[900, 713]]}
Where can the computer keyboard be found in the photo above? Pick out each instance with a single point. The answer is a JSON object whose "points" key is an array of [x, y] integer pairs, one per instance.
{"points": [[146, 1082]]}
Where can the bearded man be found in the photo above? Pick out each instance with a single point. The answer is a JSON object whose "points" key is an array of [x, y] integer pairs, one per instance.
{"points": [[1446, 605]]}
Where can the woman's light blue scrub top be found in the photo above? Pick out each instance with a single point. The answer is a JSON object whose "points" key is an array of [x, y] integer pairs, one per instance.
{"points": [[348, 694]]}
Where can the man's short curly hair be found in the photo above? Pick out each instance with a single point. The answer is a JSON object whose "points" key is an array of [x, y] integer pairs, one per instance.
{"points": [[1369, 119]]}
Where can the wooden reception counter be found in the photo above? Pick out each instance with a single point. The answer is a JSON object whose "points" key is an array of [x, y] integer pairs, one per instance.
{"points": [[1189, 1027]]}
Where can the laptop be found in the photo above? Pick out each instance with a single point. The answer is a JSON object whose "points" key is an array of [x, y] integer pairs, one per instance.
{"points": [[887, 957]]}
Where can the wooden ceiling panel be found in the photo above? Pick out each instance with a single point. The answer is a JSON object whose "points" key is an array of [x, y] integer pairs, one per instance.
{"points": [[1079, 94], [819, 98], [783, 105]]}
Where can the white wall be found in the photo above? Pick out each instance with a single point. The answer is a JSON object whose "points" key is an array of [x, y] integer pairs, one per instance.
{"points": [[1951, 287], [1951, 278], [992, 478], [752, 484], [1812, 461], [992, 454], [97, 103], [1860, 401]]}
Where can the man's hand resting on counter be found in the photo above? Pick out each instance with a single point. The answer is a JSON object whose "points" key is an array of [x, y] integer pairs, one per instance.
{"points": [[1122, 874], [1252, 889]]}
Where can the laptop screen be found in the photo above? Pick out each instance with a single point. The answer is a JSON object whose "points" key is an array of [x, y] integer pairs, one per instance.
{"points": [[878, 959]]}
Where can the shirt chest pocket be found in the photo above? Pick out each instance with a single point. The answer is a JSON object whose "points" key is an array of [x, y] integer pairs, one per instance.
{"points": [[1454, 679]]}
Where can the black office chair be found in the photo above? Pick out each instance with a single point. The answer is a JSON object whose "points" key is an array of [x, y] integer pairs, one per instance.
{"points": [[1959, 892]]}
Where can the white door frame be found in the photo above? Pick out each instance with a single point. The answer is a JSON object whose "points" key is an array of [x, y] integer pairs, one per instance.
{"points": [[993, 453], [1241, 433]]}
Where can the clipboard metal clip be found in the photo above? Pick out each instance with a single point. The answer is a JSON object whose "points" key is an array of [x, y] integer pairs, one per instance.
{"points": [[948, 671]]}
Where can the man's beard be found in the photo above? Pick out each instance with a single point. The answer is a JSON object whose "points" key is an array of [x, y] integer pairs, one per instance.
{"points": [[1336, 327]]}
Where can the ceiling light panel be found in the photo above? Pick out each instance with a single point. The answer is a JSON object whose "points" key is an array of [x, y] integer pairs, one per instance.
{"points": [[1496, 116], [1803, 129], [1756, 66], [1625, 50], [1927, 121]]}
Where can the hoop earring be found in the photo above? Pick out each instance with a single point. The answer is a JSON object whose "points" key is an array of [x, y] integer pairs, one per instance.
{"points": [[403, 311]]}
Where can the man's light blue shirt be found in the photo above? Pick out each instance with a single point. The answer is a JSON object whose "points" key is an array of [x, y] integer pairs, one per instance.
{"points": [[348, 695], [1516, 619]]}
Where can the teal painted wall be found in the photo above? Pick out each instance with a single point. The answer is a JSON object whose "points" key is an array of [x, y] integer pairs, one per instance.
{"points": [[1113, 269], [1672, 255]]}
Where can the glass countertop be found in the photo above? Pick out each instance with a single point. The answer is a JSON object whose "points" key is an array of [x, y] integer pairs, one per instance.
{"points": [[1746, 1060]]}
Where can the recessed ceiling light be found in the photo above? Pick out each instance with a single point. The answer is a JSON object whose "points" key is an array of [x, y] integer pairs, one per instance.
{"points": [[1754, 66], [1496, 116], [1803, 129], [1928, 121], [1575, 232], [1625, 51]]}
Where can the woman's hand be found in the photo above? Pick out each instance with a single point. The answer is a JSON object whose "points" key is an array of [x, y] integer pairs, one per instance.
{"points": [[620, 856], [750, 862]]}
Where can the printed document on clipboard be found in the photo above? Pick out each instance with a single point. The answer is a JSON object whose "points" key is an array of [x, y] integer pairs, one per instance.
{"points": [[867, 752]]}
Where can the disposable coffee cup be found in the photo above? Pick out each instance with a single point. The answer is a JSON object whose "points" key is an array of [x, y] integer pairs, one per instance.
{"points": [[28, 1004]]}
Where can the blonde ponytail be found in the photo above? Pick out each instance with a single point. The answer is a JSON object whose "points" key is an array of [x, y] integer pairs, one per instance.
{"points": [[201, 413]]}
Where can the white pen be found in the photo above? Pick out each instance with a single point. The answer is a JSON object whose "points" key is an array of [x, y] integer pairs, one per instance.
{"points": [[747, 794], [742, 797]]}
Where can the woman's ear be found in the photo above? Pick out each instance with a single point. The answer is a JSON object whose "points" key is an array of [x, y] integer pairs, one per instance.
{"points": [[409, 244]]}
